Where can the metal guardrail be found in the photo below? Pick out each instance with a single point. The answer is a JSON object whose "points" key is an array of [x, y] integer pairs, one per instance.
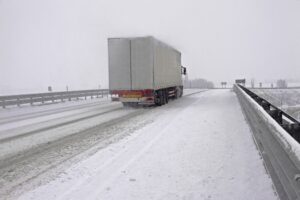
{"points": [[277, 88], [50, 97], [289, 123], [278, 150]]}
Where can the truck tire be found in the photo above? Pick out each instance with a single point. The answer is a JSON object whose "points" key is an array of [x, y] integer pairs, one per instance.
{"points": [[166, 96], [157, 98], [177, 92], [181, 91], [160, 98]]}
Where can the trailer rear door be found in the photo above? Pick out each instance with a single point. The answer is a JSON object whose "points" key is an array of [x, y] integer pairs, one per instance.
{"points": [[142, 63], [119, 64]]}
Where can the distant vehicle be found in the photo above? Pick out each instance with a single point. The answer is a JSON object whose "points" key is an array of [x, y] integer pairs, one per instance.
{"points": [[144, 70]]}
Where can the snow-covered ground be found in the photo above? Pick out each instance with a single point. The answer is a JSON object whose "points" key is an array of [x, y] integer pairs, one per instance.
{"points": [[197, 147], [35, 139], [286, 99]]}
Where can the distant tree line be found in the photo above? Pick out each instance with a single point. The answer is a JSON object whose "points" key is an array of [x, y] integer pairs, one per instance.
{"points": [[198, 83], [281, 83]]}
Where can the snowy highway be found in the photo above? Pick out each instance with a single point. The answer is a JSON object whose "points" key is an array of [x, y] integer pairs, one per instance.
{"points": [[197, 147]]}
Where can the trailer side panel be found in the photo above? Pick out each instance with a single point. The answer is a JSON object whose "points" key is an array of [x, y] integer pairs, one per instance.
{"points": [[167, 66]]}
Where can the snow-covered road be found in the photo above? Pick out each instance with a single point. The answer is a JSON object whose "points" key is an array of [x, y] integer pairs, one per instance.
{"points": [[35, 141], [198, 147]]}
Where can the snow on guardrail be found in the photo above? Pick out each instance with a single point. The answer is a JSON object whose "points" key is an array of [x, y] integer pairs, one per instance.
{"points": [[288, 142], [279, 149]]}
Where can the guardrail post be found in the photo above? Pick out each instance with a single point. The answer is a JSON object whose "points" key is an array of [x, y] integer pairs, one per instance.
{"points": [[31, 101], [3, 103], [266, 105], [279, 117], [42, 99], [295, 131], [276, 114], [258, 100]]}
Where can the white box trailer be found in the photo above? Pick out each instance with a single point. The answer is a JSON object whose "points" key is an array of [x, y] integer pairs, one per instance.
{"points": [[144, 70]]}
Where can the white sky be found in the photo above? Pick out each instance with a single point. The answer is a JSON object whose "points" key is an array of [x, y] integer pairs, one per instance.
{"points": [[59, 43]]}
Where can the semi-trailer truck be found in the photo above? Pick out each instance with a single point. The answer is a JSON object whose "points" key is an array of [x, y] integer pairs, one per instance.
{"points": [[144, 70]]}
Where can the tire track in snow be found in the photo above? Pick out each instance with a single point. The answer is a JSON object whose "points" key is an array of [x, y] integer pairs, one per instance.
{"points": [[18, 171], [25, 116], [8, 139]]}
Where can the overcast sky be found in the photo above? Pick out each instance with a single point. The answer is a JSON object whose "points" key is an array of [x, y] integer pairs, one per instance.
{"points": [[64, 42]]}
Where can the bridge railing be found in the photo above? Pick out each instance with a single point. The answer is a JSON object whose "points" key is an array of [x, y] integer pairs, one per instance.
{"points": [[18, 100], [276, 135], [286, 121]]}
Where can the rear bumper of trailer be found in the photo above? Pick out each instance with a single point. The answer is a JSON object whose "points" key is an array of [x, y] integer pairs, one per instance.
{"points": [[135, 96], [142, 100]]}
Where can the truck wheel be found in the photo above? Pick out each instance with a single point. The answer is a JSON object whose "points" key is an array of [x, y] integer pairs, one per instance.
{"points": [[157, 98], [166, 97], [163, 97], [160, 98], [157, 101], [181, 91], [177, 92]]}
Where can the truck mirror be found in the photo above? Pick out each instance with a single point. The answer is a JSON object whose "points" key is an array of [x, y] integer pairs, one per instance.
{"points": [[183, 70]]}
